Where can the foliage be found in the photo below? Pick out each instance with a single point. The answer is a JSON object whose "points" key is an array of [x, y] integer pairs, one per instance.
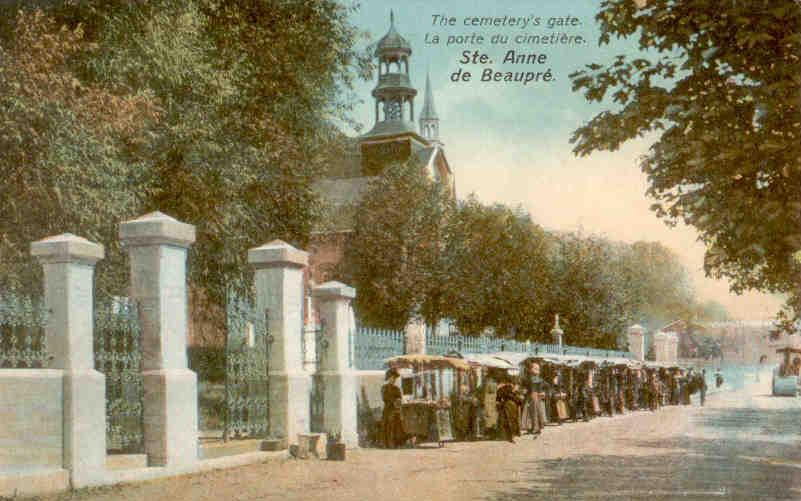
{"points": [[497, 271], [712, 311], [394, 257], [718, 85], [708, 347], [219, 113], [594, 291]]}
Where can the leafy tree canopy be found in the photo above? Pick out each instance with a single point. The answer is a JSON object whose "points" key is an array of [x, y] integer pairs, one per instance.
{"points": [[394, 256], [497, 271], [219, 113], [719, 85]]}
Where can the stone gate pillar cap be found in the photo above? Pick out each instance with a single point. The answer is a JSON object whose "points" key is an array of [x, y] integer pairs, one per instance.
{"points": [[67, 248], [333, 290], [637, 328], [277, 253], [156, 228]]}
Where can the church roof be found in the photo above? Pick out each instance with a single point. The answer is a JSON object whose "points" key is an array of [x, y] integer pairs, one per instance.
{"points": [[391, 128], [392, 41]]}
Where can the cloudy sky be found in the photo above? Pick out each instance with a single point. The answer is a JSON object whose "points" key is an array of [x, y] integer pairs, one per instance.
{"points": [[510, 143]]}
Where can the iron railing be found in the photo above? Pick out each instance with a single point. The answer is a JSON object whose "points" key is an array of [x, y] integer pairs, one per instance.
{"points": [[246, 372], [118, 355], [442, 345], [22, 336], [372, 346]]}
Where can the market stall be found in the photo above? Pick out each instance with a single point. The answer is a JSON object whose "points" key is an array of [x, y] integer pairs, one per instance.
{"points": [[426, 383]]}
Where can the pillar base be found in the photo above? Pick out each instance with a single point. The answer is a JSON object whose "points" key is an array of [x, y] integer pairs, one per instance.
{"points": [[341, 406], [85, 426], [289, 405], [170, 417]]}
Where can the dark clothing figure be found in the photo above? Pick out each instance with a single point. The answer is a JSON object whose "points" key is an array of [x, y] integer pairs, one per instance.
{"points": [[684, 390], [487, 394], [702, 387], [508, 403], [394, 436], [582, 402], [465, 416], [718, 380], [615, 391], [533, 416], [655, 394]]}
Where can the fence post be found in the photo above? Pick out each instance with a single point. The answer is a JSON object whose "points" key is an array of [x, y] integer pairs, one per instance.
{"points": [[279, 291], [415, 337], [637, 341], [158, 245], [333, 301], [68, 262]]}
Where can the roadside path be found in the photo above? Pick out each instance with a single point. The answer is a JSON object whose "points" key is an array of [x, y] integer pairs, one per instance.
{"points": [[743, 445]]}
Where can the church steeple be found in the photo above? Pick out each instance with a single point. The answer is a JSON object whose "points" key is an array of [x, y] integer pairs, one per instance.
{"points": [[393, 94], [429, 121]]}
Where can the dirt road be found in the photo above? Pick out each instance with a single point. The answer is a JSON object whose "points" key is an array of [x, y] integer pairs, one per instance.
{"points": [[735, 448]]}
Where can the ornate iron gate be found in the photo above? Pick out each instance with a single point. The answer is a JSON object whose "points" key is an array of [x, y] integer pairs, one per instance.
{"points": [[317, 395], [246, 372], [118, 355], [22, 337]]}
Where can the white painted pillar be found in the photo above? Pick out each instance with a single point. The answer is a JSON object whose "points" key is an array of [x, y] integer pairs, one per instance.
{"points": [[557, 333], [68, 262], [672, 347], [279, 292], [157, 245], [660, 342], [339, 381], [637, 341], [415, 337]]}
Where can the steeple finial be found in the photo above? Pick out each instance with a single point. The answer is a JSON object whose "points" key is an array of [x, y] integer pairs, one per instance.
{"points": [[429, 121], [391, 18], [429, 111]]}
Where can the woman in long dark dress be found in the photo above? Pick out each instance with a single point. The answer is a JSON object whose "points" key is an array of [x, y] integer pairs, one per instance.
{"points": [[508, 403], [394, 436]]}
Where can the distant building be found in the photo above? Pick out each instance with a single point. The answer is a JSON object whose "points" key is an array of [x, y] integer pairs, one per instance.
{"points": [[748, 342], [688, 334]]}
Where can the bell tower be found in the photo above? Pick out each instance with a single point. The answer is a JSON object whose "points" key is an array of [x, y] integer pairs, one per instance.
{"points": [[394, 136]]}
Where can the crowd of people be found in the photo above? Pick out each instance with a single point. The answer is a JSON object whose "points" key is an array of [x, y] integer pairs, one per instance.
{"points": [[498, 404]]}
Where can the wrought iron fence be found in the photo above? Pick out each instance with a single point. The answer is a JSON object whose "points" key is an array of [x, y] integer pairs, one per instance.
{"points": [[317, 395], [22, 336], [373, 346], [246, 372], [118, 355], [442, 345]]}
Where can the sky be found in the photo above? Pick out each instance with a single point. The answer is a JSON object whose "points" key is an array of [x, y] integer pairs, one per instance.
{"points": [[509, 143]]}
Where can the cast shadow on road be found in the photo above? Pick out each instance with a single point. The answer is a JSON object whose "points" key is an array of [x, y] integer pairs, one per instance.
{"points": [[685, 467]]}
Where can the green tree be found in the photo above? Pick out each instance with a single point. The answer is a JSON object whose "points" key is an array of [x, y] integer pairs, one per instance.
{"points": [[592, 293], [659, 283], [497, 271], [219, 113], [394, 257], [717, 84]]}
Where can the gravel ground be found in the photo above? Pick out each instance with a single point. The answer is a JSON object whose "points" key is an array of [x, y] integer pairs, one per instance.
{"points": [[743, 445]]}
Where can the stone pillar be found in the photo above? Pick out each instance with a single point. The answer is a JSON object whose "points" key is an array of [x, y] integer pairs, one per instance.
{"points": [[637, 341], [557, 332], [415, 337], [157, 245], [660, 346], [279, 293], [672, 348], [333, 302], [68, 262]]}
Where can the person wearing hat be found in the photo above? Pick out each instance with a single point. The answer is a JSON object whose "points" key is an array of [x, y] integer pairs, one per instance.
{"points": [[394, 436]]}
